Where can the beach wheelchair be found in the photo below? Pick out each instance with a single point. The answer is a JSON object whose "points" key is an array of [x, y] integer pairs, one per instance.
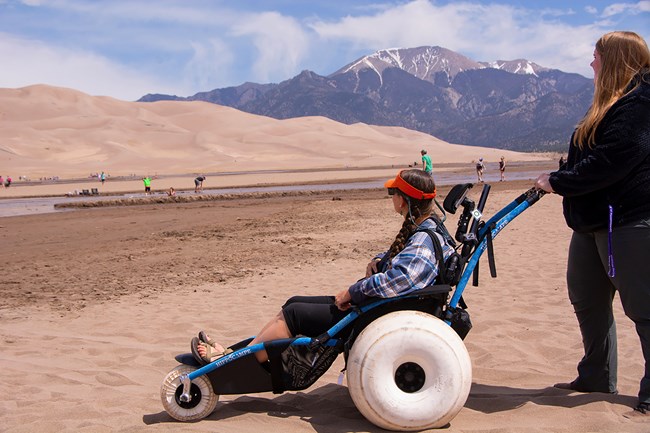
{"points": [[406, 364]]}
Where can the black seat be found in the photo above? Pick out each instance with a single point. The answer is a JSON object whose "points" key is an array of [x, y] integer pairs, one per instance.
{"points": [[430, 300]]}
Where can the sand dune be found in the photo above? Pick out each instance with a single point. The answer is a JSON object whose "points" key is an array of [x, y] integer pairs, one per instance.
{"points": [[49, 131]]}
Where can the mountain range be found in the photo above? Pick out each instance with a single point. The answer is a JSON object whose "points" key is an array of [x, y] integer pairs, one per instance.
{"points": [[516, 104]]}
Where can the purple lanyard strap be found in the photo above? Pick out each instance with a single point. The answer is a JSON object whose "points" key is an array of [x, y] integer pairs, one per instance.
{"points": [[610, 253]]}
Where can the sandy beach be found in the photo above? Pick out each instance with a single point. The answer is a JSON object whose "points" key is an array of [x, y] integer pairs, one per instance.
{"points": [[95, 304]]}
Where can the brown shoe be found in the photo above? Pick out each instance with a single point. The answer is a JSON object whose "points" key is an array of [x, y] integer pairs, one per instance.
{"points": [[644, 408], [572, 386]]}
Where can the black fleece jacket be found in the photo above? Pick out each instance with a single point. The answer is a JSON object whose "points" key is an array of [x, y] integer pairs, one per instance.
{"points": [[616, 171]]}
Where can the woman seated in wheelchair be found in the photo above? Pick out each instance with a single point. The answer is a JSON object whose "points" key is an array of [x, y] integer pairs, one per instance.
{"points": [[409, 264]]}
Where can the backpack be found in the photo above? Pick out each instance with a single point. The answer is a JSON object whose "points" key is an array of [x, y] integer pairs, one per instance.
{"points": [[451, 270]]}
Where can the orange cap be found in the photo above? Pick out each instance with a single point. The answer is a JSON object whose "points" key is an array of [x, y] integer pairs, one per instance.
{"points": [[408, 189]]}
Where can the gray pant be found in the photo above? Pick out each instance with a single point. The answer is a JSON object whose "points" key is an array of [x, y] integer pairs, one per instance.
{"points": [[591, 292]]}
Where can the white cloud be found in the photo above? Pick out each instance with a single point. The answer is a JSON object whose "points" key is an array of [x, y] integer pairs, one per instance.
{"points": [[31, 62], [210, 64], [140, 11], [394, 27], [129, 48], [481, 32], [280, 41], [632, 8]]}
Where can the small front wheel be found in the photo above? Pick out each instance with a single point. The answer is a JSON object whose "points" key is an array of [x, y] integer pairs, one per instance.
{"points": [[203, 399]]}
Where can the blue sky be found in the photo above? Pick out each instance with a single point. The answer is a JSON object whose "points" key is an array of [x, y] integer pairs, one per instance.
{"points": [[129, 48]]}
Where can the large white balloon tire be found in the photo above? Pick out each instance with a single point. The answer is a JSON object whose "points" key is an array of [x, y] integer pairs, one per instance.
{"points": [[203, 401], [409, 371]]}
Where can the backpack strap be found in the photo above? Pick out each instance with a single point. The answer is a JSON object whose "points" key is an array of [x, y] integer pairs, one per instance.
{"points": [[490, 248], [490, 254], [449, 272], [437, 249], [445, 267]]}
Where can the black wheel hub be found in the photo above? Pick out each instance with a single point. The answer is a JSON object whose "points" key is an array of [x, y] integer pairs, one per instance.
{"points": [[410, 377], [195, 393]]}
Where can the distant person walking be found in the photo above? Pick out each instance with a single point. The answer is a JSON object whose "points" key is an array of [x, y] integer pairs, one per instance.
{"points": [[480, 167], [2, 182], [8, 182], [102, 177], [147, 185], [426, 162], [198, 183], [502, 169]]}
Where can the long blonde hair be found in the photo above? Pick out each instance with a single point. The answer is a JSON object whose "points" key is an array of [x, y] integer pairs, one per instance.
{"points": [[623, 55]]}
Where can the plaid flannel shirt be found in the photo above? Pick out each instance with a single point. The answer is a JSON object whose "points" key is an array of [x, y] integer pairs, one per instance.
{"points": [[414, 268]]}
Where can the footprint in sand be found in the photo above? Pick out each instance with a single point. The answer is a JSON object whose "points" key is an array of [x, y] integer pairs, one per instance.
{"points": [[113, 379]]}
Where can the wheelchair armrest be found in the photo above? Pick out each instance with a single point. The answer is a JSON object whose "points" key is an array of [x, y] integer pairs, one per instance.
{"points": [[428, 292], [431, 291]]}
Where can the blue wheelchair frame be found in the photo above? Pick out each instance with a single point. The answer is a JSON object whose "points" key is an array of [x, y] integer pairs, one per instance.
{"points": [[494, 225], [483, 233]]}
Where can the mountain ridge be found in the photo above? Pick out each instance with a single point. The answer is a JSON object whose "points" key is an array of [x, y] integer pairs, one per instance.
{"points": [[515, 104]]}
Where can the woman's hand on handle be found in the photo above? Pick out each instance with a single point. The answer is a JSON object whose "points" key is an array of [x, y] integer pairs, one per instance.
{"points": [[543, 183]]}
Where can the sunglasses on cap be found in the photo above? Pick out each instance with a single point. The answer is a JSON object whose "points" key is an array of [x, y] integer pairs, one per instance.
{"points": [[400, 184]]}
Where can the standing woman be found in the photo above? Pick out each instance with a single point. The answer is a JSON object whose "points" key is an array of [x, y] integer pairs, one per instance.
{"points": [[605, 184], [502, 169]]}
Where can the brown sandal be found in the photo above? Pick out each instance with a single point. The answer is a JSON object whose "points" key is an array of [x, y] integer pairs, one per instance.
{"points": [[210, 352], [206, 339]]}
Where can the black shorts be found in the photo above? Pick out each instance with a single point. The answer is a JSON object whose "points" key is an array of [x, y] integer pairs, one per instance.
{"points": [[311, 316]]}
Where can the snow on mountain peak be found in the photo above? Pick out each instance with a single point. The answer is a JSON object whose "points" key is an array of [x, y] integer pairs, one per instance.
{"points": [[518, 66], [427, 61]]}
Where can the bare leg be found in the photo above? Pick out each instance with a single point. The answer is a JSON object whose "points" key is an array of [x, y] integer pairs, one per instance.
{"points": [[275, 329]]}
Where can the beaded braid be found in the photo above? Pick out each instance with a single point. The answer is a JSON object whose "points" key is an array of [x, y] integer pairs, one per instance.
{"points": [[416, 208]]}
